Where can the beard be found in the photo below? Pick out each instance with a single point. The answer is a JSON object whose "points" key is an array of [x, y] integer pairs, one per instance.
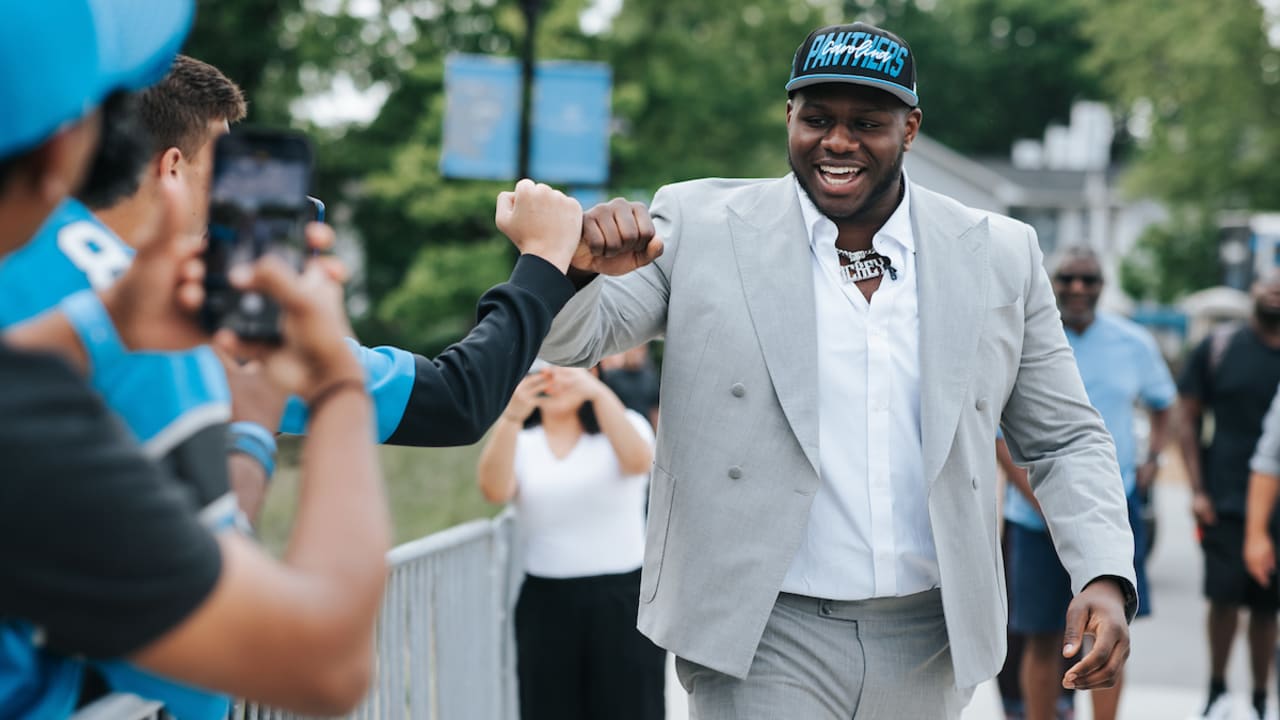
{"points": [[879, 191], [1267, 316]]}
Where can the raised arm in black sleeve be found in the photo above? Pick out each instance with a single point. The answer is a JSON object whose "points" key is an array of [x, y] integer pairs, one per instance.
{"points": [[98, 547], [460, 393]]}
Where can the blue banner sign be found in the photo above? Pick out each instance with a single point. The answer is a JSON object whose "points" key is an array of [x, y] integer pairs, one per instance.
{"points": [[481, 117], [571, 113], [570, 125]]}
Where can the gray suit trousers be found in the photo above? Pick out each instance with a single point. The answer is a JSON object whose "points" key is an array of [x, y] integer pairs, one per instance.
{"points": [[879, 659]]}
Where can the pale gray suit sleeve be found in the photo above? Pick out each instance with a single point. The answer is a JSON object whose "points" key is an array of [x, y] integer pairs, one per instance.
{"points": [[612, 314], [1052, 429], [1266, 457]]}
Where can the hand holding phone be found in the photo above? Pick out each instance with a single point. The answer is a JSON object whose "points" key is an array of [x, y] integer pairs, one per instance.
{"points": [[258, 206]]}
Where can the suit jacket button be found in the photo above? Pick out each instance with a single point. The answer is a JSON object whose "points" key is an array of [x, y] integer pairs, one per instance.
{"points": [[738, 389], [981, 404], [735, 472]]}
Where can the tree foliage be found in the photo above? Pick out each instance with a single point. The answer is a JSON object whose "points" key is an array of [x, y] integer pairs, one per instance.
{"points": [[1201, 84], [1205, 85], [1171, 260]]}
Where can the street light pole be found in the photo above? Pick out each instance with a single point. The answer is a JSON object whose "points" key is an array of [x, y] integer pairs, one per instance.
{"points": [[527, 60]]}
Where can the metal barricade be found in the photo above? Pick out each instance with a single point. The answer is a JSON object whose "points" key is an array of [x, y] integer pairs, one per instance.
{"points": [[445, 641], [120, 706]]}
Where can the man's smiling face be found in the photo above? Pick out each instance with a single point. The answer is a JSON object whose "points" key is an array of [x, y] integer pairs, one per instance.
{"points": [[845, 143]]}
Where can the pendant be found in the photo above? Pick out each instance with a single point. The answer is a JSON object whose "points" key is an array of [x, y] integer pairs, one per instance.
{"points": [[865, 265]]}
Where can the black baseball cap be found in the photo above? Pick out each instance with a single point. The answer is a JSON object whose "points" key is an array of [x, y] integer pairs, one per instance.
{"points": [[857, 53]]}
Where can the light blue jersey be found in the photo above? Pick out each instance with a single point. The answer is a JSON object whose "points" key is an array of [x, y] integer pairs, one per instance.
{"points": [[162, 397], [1120, 366]]}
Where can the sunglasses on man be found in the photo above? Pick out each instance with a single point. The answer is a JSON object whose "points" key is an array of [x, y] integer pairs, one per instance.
{"points": [[1086, 280]]}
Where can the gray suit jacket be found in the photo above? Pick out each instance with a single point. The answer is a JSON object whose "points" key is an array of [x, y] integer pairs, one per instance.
{"points": [[737, 456]]}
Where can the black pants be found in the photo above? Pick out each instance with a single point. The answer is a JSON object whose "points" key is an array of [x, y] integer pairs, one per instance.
{"points": [[579, 655]]}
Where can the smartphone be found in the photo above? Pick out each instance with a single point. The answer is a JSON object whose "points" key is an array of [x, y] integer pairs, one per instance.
{"points": [[258, 205]]}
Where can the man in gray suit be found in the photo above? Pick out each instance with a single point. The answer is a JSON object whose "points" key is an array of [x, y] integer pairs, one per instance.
{"points": [[840, 347]]}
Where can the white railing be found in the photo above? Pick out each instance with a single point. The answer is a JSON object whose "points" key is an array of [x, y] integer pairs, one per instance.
{"points": [[445, 648], [120, 706]]}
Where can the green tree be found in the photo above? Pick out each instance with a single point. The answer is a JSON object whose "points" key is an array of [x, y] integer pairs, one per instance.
{"points": [[993, 71], [1171, 260], [242, 38], [1202, 85]]}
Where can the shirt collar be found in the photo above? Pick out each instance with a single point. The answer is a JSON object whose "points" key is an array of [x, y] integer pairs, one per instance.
{"points": [[897, 227]]}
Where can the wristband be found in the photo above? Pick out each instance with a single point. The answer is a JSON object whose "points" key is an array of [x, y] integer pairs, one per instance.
{"points": [[333, 389], [89, 319], [253, 440]]}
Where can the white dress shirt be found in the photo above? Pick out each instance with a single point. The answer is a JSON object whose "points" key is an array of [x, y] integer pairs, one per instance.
{"points": [[869, 533]]}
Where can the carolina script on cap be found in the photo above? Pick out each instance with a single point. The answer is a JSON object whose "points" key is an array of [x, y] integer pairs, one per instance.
{"points": [[858, 53]]}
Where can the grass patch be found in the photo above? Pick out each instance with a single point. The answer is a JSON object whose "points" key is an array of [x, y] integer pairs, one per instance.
{"points": [[429, 489]]}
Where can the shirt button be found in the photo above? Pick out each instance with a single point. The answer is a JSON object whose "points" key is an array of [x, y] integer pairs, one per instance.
{"points": [[981, 405], [738, 389], [735, 472]]}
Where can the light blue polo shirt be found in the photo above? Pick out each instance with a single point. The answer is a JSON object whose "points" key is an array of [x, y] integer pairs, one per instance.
{"points": [[1121, 366]]}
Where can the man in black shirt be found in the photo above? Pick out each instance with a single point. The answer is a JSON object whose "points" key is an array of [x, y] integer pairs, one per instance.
{"points": [[1231, 375]]}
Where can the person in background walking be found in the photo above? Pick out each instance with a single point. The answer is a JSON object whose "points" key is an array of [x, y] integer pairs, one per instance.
{"points": [[575, 462], [1232, 375], [1120, 366]]}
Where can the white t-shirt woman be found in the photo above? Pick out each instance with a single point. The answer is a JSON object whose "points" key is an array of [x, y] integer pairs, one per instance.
{"points": [[575, 462]]}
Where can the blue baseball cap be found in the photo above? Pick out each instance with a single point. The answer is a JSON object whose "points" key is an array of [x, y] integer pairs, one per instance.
{"points": [[60, 58]]}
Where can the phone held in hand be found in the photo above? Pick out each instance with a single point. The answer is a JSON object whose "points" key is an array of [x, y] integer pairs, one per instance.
{"points": [[258, 205]]}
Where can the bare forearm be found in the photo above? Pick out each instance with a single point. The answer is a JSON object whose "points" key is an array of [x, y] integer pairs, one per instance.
{"points": [[1016, 476], [1263, 490], [342, 531], [1189, 445], [50, 333], [1159, 437], [495, 471], [1190, 449], [635, 455], [249, 483]]}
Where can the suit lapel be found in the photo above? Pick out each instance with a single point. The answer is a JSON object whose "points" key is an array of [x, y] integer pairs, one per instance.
{"points": [[771, 247], [952, 267]]}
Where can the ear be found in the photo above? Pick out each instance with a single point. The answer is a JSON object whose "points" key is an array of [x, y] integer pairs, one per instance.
{"points": [[169, 161], [913, 119], [790, 108]]}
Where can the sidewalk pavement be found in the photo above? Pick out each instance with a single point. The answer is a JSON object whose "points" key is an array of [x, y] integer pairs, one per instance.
{"points": [[1151, 702], [1137, 703]]}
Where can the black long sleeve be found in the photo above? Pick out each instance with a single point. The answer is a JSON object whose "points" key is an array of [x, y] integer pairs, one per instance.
{"points": [[460, 393]]}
